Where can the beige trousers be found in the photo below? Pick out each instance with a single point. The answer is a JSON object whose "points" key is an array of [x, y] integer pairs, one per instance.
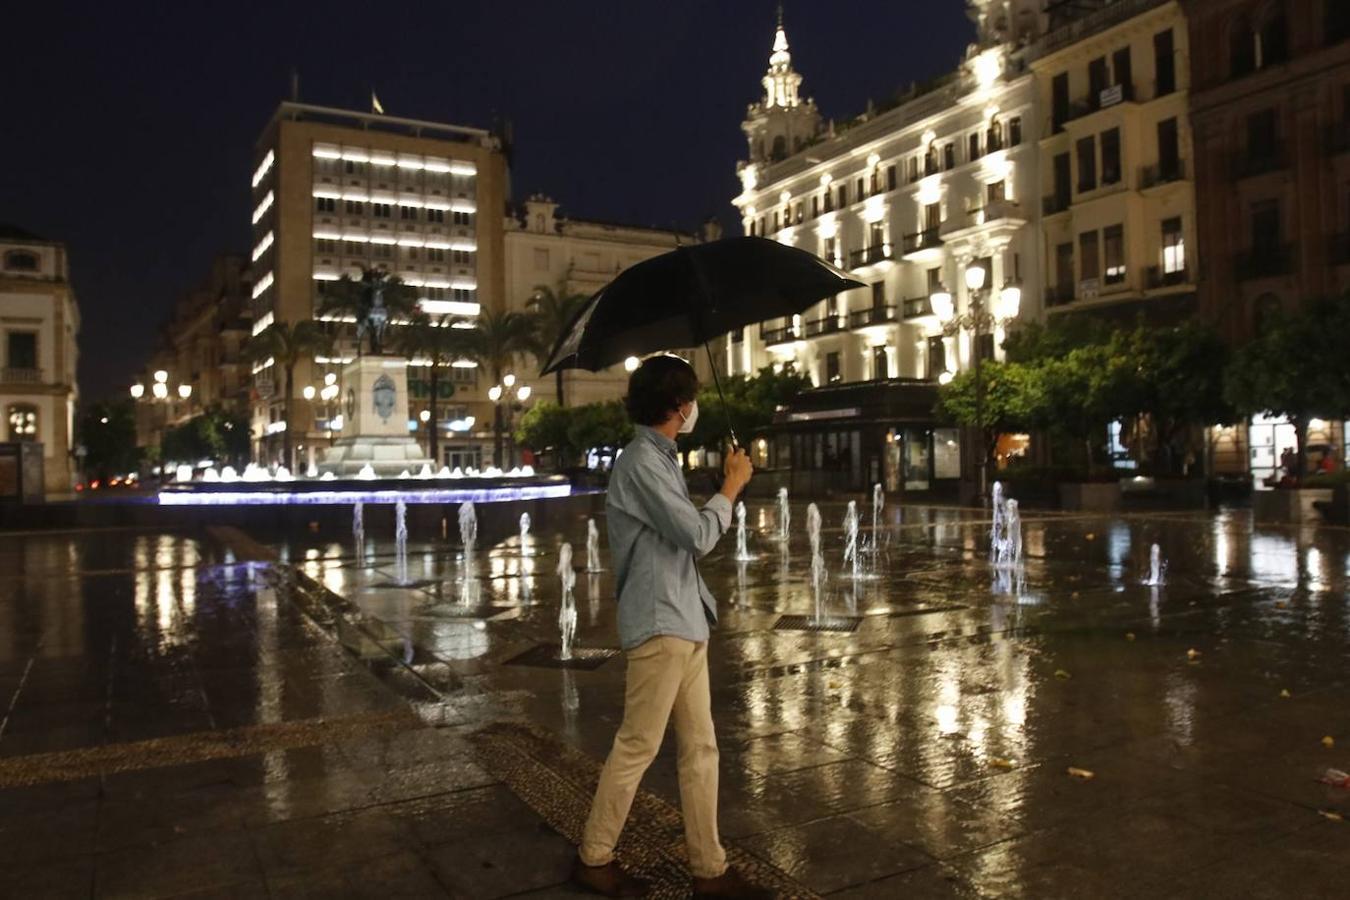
{"points": [[666, 675]]}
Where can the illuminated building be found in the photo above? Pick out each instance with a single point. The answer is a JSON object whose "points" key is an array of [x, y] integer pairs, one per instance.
{"points": [[334, 191], [39, 321], [905, 198], [1271, 110]]}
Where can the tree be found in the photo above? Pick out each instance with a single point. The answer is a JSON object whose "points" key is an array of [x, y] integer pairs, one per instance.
{"points": [[599, 425], [212, 434], [286, 344], [1173, 379], [438, 344], [1295, 367], [373, 302], [544, 428], [750, 404], [551, 311], [107, 431], [1014, 398], [495, 344]]}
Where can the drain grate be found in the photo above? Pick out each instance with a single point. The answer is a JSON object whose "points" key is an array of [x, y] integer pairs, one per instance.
{"points": [[903, 613], [545, 656], [845, 624]]}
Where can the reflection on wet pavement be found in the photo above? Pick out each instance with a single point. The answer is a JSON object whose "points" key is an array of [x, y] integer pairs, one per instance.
{"points": [[157, 693]]}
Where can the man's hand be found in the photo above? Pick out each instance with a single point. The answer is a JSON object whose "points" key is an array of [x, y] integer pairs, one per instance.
{"points": [[736, 473]]}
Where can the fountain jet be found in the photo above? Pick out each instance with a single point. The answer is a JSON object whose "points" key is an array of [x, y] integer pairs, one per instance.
{"points": [[567, 615]]}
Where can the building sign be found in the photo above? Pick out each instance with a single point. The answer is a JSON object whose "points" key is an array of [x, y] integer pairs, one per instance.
{"points": [[420, 388], [851, 412], [1112, 95]]}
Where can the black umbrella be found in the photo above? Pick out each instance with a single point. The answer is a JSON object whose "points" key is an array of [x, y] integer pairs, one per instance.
{"points": [[692, 295]]}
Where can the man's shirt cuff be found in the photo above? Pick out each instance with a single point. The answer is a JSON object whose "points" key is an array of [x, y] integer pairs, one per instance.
{"points": [[721, 506]]}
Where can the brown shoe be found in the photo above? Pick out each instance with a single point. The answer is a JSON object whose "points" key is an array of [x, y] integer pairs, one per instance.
{"points": [[731, 884], [608, 880]]}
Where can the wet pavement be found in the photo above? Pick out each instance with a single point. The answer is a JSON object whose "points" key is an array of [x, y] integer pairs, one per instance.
{"points": [[179, 715]]}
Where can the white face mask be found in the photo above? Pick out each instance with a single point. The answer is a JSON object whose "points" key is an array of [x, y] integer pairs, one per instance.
{"points": [[688, 424]]}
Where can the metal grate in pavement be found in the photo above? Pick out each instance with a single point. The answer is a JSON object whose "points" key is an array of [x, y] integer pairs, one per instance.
{"points": [[545, 656], [846, 624]]}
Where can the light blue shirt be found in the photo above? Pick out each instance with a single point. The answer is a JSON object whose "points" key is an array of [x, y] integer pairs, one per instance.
{"points": [[656, 534]]}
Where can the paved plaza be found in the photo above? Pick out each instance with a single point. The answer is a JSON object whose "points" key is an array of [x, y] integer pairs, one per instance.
{"points": [[261, 715]]}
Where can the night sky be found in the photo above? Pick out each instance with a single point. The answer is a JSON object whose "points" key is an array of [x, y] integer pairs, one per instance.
{"points": [[130, 126]]}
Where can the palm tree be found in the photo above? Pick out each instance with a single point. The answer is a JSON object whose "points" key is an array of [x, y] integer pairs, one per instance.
{"points": [[374, 301], [551, 311], [436, 342], [286, 344], [494, 344]]}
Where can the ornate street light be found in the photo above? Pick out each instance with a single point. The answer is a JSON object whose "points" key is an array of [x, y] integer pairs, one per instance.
{"points": [[160, 390], [185, 391], [137, 391]]}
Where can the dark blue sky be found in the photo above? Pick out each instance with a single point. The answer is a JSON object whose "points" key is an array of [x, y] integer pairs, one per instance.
{"points": [[130, 127]]}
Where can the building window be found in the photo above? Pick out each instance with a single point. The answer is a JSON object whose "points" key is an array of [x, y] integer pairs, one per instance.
{"points": [[1272, 39], [435, 254], [1014, 131], [1173, 247], [973, 147], [1113, 246], [932, 216], [352, 248], [353, 167], [1265, 226], [21, 350], [326, 204], [1169, 151], [436, 216], [832, 368], [937, 357], [876, 234], [949, 155], [1064, 267], [934, 279], [356, 208], [382, 210], [1111, 156], [890, 178], [815, 207], [1262, 139], [879, 366], [1336, 20], [407, 213], [858, 192], [324, 247], [797, 212], [1063, 182], [1059, 102], [461, 218], [1124, 72], [1087, 164], [843, 196], [995, 192], [460, 257], [23, 421], [21, 261], [1164, 55], [1241, 49], [775, 221], [913, 167], [1097, 81], [382, 251], [1088, 261], [993, 139], [878, 295], [984, 347]]}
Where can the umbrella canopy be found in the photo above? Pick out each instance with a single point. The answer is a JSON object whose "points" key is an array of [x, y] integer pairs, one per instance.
{"points": [[692, 295]]}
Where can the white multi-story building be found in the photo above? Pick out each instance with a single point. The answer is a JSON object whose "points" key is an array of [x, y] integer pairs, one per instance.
{"points": [[39, 321], [577, 257], [905, 198]]}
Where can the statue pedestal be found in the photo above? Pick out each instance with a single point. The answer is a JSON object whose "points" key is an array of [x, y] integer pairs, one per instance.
{"points": [[375, 427]]}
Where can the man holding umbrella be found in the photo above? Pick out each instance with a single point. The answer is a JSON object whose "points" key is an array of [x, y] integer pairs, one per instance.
{"points": [[656, 536]]}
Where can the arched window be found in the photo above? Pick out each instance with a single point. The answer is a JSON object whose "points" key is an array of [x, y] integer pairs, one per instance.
{"points": [[21, 261], [779, 148], [1241, 48], [1272, 38], [23, 421], [1336, 20]]}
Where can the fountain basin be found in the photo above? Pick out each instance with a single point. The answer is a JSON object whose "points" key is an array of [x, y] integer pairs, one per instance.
{"points": [[479, 489]]}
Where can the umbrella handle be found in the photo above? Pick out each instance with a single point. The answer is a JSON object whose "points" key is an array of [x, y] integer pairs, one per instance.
{"points": [[712, 363]]}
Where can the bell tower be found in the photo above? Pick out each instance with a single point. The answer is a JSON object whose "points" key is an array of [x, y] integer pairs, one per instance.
{"points": [[782, 122]]}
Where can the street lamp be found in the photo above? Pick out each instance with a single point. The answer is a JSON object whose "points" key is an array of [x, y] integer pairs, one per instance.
{"points": [[185, 391], [631, 363], [309, 392], [497, 393], [137, 391], [976, 319], [160, 389]]}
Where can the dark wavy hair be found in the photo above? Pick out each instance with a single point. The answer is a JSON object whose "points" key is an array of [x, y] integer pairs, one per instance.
{"points": [[658, 387]]}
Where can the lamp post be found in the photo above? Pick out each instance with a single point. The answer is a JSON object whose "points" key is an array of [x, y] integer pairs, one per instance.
{"points": [[160, 397], [498, 394], [977, 319]]}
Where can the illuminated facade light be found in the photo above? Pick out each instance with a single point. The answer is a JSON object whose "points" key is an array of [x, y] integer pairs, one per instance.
{"points": [[326, 276], [327, 153], [263, 245], [631, 363], [262, 323], [261, 209], [464, 364], [450, 308], [264, 167], [265, 364], [463, 206], [463, 169], [355, 156], [262, 284]]}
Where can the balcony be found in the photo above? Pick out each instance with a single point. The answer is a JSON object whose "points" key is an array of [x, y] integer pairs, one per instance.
{"points": [[20, 376], [1249, 165], [1267, 262], [877, 315], [920, 241], [917, 307], [1155, 278], [1152, 176], [1058, 295], [868, 256], [1056, 203], [823, 325], [781, 335]]}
